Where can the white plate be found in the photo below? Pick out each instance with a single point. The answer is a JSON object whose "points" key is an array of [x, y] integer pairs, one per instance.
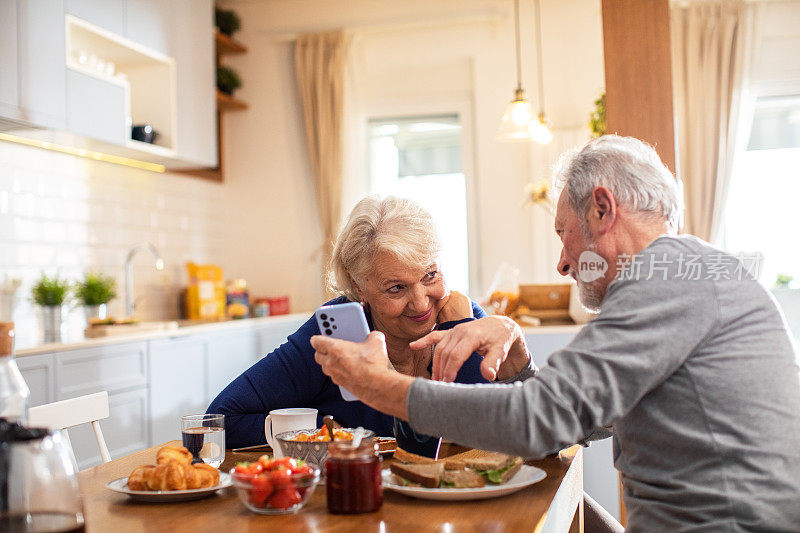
{"points": [[165, 496], [527, 475]]}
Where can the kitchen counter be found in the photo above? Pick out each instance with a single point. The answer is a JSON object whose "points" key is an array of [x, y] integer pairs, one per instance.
{"points": [[189, 327], [186, 327]]}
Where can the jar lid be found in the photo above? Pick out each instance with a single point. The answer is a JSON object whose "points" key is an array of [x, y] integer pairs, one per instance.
{"points": [[12, 432], [344, 449]]}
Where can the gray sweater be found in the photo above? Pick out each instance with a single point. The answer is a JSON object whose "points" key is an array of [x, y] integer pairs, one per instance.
{"points": [[697, 378]]}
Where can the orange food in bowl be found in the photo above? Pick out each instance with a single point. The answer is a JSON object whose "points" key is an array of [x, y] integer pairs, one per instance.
{"points": [[321, 435]]}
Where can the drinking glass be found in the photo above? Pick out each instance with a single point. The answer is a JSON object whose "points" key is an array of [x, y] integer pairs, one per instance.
{"points": [[204, 436]]}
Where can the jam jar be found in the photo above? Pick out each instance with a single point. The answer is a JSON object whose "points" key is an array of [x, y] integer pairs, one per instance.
{"points": [[353, 477]]}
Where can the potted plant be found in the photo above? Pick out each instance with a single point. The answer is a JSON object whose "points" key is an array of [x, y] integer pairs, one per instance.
{"points": [[597, 120], [228, 80], [94, 292], [50, 293], [227, 21]]}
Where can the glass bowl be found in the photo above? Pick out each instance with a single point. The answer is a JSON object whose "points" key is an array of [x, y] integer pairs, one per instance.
{"points": [[271, 493], [312, 452]]}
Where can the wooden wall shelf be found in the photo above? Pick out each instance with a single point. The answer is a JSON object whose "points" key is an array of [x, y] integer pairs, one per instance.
{"points": [[227, 45], [229, 103]]}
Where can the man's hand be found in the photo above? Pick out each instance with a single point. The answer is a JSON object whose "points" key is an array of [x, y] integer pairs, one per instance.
{"points": [[363, 369], [456, 307], [498, 339]]}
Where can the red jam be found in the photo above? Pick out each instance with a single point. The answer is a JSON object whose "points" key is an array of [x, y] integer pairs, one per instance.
{"points": [[353, 478]]}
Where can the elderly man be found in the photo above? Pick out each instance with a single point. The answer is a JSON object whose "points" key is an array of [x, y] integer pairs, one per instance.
{"points": [[689, 361]]}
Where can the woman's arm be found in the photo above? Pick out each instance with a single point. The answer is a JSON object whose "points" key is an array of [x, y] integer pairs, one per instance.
{"points": [[287, 377]]}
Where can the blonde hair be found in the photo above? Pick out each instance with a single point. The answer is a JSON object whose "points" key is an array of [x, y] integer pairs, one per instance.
{"points": [[396, 225]]}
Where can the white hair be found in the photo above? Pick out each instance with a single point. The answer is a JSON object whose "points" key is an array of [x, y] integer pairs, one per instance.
{"points": [[396, 225], [632, 171]]}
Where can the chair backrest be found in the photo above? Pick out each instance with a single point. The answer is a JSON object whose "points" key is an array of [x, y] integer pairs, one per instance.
{"points": [[65, 414]]}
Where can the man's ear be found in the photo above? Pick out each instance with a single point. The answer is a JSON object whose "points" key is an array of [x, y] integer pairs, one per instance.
{"points": [[603, 210]]}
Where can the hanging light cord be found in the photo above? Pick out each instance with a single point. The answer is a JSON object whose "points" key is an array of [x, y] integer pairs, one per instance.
{"points": [[519, 58], [538, 55]]}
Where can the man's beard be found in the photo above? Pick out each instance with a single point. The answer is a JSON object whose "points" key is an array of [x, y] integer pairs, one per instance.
{"points": [[590, 293]]}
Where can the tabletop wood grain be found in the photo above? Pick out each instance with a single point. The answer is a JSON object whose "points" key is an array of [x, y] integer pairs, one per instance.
{"points": [[525, 510]]}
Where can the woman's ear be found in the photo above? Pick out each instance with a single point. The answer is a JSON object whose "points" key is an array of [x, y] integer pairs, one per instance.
{"points": [[359, 292]]}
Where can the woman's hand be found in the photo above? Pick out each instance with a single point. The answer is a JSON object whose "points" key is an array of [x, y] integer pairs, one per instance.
{"points": [[499, 340], [456, 307]]}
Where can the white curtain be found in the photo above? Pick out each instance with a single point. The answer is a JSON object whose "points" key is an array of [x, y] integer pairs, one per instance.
{"points": [[321, 61], [712, 43]]}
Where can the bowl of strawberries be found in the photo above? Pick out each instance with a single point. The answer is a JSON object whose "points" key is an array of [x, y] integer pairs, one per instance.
{"points": [[275, 486]]}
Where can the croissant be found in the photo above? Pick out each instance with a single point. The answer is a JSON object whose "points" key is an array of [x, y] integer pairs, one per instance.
{"points": [[174, 453], [173, 472]]}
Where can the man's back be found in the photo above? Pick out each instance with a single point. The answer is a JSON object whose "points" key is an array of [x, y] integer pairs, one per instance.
{"points": [[717, 443]]}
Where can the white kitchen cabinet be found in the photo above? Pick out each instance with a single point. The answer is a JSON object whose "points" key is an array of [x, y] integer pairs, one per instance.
{"points": [[38, 371], [274, 333], [166, 50], [41, 53], [150, 23], [192, 46], [111, 368], [95, 108], [9, 69], [229, 354], [178, 384], [107, 14], [125, 430]]}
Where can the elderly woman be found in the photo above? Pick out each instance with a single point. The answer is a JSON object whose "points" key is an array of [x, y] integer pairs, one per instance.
{"points": [[385, 257]]}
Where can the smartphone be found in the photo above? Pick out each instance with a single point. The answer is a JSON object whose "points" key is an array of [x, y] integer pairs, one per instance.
{"points": [[344, 321]]}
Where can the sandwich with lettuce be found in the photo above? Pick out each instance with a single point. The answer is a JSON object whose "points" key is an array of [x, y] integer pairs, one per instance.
{"points": [[471, 469]]}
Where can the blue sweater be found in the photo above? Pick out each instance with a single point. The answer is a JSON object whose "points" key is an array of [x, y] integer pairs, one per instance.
{"points": [[289, 377]]}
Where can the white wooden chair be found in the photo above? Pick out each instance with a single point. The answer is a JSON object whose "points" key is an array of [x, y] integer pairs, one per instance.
{"points": [[68, 413]]}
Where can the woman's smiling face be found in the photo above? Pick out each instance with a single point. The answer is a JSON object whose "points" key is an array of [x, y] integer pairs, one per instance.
{"points": [[404, 301]]}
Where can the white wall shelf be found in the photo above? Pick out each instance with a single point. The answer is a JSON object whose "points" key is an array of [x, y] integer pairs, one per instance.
{"points": [[148, 77]]}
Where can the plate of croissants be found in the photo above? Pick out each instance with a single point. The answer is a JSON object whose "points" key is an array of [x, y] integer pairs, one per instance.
{"points": [[173, 478]]}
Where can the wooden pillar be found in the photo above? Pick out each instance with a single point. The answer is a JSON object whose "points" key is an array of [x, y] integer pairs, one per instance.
{"points": [[638, 67]]}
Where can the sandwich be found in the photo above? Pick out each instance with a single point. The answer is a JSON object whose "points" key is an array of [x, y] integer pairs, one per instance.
{"points": [[462, 479], [497, 468], [428, 475], [471, 469], [407, 457]]}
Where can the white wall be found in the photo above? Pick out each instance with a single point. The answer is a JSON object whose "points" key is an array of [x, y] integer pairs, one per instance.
{"points": [[61, 214], [776, 61], [414, 54]]}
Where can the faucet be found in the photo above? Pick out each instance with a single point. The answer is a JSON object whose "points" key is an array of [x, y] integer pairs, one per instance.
{"points": [[129, 273]]}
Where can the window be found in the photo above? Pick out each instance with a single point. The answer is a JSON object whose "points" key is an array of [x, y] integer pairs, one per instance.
{"points": [[420, 158], [762, 197]]}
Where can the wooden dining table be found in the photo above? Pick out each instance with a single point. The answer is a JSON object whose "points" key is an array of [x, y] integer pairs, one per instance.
{"points": [[554, 504]]}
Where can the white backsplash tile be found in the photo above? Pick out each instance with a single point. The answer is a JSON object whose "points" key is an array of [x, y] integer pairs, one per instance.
{"points": [[66, 215]]}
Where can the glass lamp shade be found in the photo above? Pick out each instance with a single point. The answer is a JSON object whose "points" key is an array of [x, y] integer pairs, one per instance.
{"points": [[519, 124], [516, 121], [540, 131]]}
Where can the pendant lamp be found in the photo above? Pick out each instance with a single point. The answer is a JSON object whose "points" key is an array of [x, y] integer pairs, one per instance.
{"points": [[518, 122]]}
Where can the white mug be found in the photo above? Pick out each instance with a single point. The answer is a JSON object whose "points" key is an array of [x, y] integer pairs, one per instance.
{"points": [[290, 419]]}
